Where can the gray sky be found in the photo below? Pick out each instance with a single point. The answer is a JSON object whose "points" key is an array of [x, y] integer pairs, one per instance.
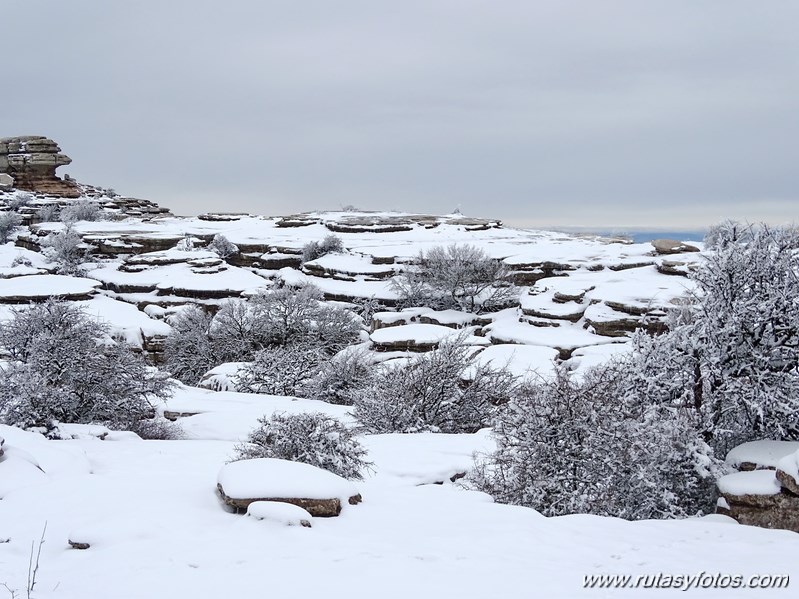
{"points": [[597, 113]]}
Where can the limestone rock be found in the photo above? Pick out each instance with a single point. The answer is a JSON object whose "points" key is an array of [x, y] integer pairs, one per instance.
{"points": [[317, 491], [32, 161], [6, 180], [672, 246]]}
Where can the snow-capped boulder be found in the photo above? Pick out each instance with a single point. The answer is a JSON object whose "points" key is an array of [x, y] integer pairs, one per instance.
{"points": [[760, 498], [279, 512], [672, 246], [319, 492], [788, 473]]}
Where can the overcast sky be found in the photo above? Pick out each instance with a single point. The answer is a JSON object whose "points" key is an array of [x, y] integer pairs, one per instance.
{"points": [[598, 113]]}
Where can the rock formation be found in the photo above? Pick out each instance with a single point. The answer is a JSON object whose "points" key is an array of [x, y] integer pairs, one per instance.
{"points": [[32, 161]]}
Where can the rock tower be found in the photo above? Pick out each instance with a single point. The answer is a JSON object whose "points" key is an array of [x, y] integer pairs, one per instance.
{"points": [[31, 161]]}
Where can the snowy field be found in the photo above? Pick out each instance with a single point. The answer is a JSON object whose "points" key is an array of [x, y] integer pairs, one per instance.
{"points": [[150, 511], [157, 528]]}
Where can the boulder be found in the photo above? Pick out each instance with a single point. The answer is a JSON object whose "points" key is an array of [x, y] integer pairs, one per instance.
{"points": [[760, 498], [32, 161], [319, 492], [672, 246], [6, 180]]}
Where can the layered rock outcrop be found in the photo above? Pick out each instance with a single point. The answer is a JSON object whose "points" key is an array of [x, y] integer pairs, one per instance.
{"points": [[31, 161]]}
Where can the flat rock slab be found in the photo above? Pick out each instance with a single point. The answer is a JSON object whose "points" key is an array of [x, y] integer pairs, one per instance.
{"points": [[672, 246], [319, 492], [41, 287]]}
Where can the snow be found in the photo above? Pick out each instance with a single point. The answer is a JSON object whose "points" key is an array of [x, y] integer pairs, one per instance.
{"points": [[565, 336], [279, 512], [755, 482], [44, 286], [521, 360], [765, 453], [277, 479], [790, 465], [416, 333]]}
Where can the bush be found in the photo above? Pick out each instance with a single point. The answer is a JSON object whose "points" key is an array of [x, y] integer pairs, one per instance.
{"points": [[329, 245], [188, 349], [63, 367], [223, 247], [572, 445], [339, 379], [9, 221], [280, 370], [463, 277], [440, 391], [67, 250], [81, 210], [310, 438], [49, 213]]}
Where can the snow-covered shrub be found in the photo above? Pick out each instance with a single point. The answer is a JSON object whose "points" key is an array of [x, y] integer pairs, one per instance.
{"points": [[298, 316], [9, 221], [570, 445], [312, 438], [439, 391], [186, 244], [63, 367], [312, 250], [731, 356], [223, 247], [188, 349], [20, 200], [157, 429], [281, 370], [340, 378], [67, 250], [49, 213], [81, 210], [21, 260], [237, 331], [457, 276]]}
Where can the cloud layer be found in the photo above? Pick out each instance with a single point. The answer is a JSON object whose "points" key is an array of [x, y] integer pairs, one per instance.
{"points": [[672, 113]]}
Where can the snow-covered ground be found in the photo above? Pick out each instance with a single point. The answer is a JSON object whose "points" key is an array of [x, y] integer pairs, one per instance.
{"points": [[157, 528], [150, 510]]}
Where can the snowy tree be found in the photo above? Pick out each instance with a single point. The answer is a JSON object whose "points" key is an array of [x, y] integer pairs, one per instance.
{"points": [[311, 438], [580, 445], [456, 276], [316, 249], [9, 221], [439, 391], [731, 355], [64, 367], [188, 350], [281, 370], [223, 247], [291, 316]]}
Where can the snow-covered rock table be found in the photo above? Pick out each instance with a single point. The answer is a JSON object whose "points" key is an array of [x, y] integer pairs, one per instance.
{"points": [[319, 492]]}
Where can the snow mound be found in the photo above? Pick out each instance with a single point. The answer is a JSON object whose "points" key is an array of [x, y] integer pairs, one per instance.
{"points": [[280, 513], [44, 286]]}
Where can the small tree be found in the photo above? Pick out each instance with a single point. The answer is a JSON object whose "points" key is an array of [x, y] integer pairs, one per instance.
{"points": [[65, 368], [223, 247], [9, 221], [457, 276], [311, 438], [440, 391]]}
